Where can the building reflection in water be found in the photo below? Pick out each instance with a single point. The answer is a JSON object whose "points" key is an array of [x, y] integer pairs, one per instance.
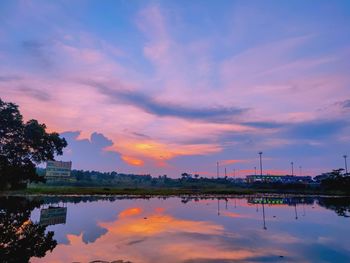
{"points": [[53, 215]]}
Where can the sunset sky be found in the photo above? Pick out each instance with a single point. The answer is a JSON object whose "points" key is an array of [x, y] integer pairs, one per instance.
{"points": [[165, 87]]}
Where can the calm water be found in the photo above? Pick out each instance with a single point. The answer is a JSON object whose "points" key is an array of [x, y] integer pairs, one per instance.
{"points": [[252, 229]]}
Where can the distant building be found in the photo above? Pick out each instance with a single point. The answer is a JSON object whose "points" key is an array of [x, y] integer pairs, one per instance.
{"points": [[58, 169], [284, 179]]}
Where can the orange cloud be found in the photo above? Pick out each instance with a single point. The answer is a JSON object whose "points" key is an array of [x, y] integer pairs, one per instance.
{"points": [[132, 161], [162, 151], [130, 212], [159, 209], [158, 223]]}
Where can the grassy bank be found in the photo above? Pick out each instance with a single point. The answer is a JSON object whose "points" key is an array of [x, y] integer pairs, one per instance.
{"points": [[66, 190]]}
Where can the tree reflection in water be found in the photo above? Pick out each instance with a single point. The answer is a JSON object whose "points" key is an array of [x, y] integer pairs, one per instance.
{"points": [[340, 205], [20, 238]]}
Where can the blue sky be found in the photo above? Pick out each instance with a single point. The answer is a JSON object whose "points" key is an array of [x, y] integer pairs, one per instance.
{"points": [[172, 86]]}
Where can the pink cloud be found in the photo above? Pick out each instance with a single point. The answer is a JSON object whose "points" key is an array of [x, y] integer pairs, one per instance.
{"points": [[228, 162]]}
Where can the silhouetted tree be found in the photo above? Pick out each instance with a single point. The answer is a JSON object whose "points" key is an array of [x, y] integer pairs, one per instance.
{"points": [[22, 145], [20, 238], [186, 176], [337, 181]]}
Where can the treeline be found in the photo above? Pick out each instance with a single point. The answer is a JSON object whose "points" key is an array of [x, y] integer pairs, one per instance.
{"points": [[96, 178], [337, 180]]}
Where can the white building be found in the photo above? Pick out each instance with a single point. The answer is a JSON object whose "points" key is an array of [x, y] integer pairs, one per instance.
{"points": [[58, 169]]}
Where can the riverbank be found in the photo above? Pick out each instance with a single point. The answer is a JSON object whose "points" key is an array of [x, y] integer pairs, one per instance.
{"points": [[64, 190]]}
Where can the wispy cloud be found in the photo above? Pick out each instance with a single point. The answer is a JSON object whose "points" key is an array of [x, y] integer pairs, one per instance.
{"points": [[345, 104], [35, 93], [8, 78], [150, 105], [229, 162], [38, 53]]}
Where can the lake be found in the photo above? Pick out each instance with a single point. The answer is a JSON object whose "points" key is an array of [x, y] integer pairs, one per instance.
{"points": [[175, 229]]}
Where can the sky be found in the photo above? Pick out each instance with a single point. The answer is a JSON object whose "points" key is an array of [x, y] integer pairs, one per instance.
{"points": [[165, 87]]}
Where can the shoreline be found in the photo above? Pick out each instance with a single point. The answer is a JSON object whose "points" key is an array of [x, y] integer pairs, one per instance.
{"points": [[69, 191]]}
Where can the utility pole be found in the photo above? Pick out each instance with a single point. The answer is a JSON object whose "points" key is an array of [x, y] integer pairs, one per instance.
{"points": [[292, 168], [346, 163], [217, 169], [225, 173], [261, 173], [255, 170]]}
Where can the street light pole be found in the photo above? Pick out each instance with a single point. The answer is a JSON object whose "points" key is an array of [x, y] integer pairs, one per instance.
{"points": [[292, 168], [217, 169], [261, 173], [255, 170], [346, 163]]}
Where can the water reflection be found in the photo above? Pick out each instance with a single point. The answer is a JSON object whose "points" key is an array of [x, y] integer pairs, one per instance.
{"points": [[177, 229], [21, 238], [53, 215], [340, 205], [277, 200]]}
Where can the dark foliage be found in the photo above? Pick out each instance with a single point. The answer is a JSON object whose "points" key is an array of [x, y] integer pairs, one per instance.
{"points": [[337, 181], [20, 238], [22, 146]]}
